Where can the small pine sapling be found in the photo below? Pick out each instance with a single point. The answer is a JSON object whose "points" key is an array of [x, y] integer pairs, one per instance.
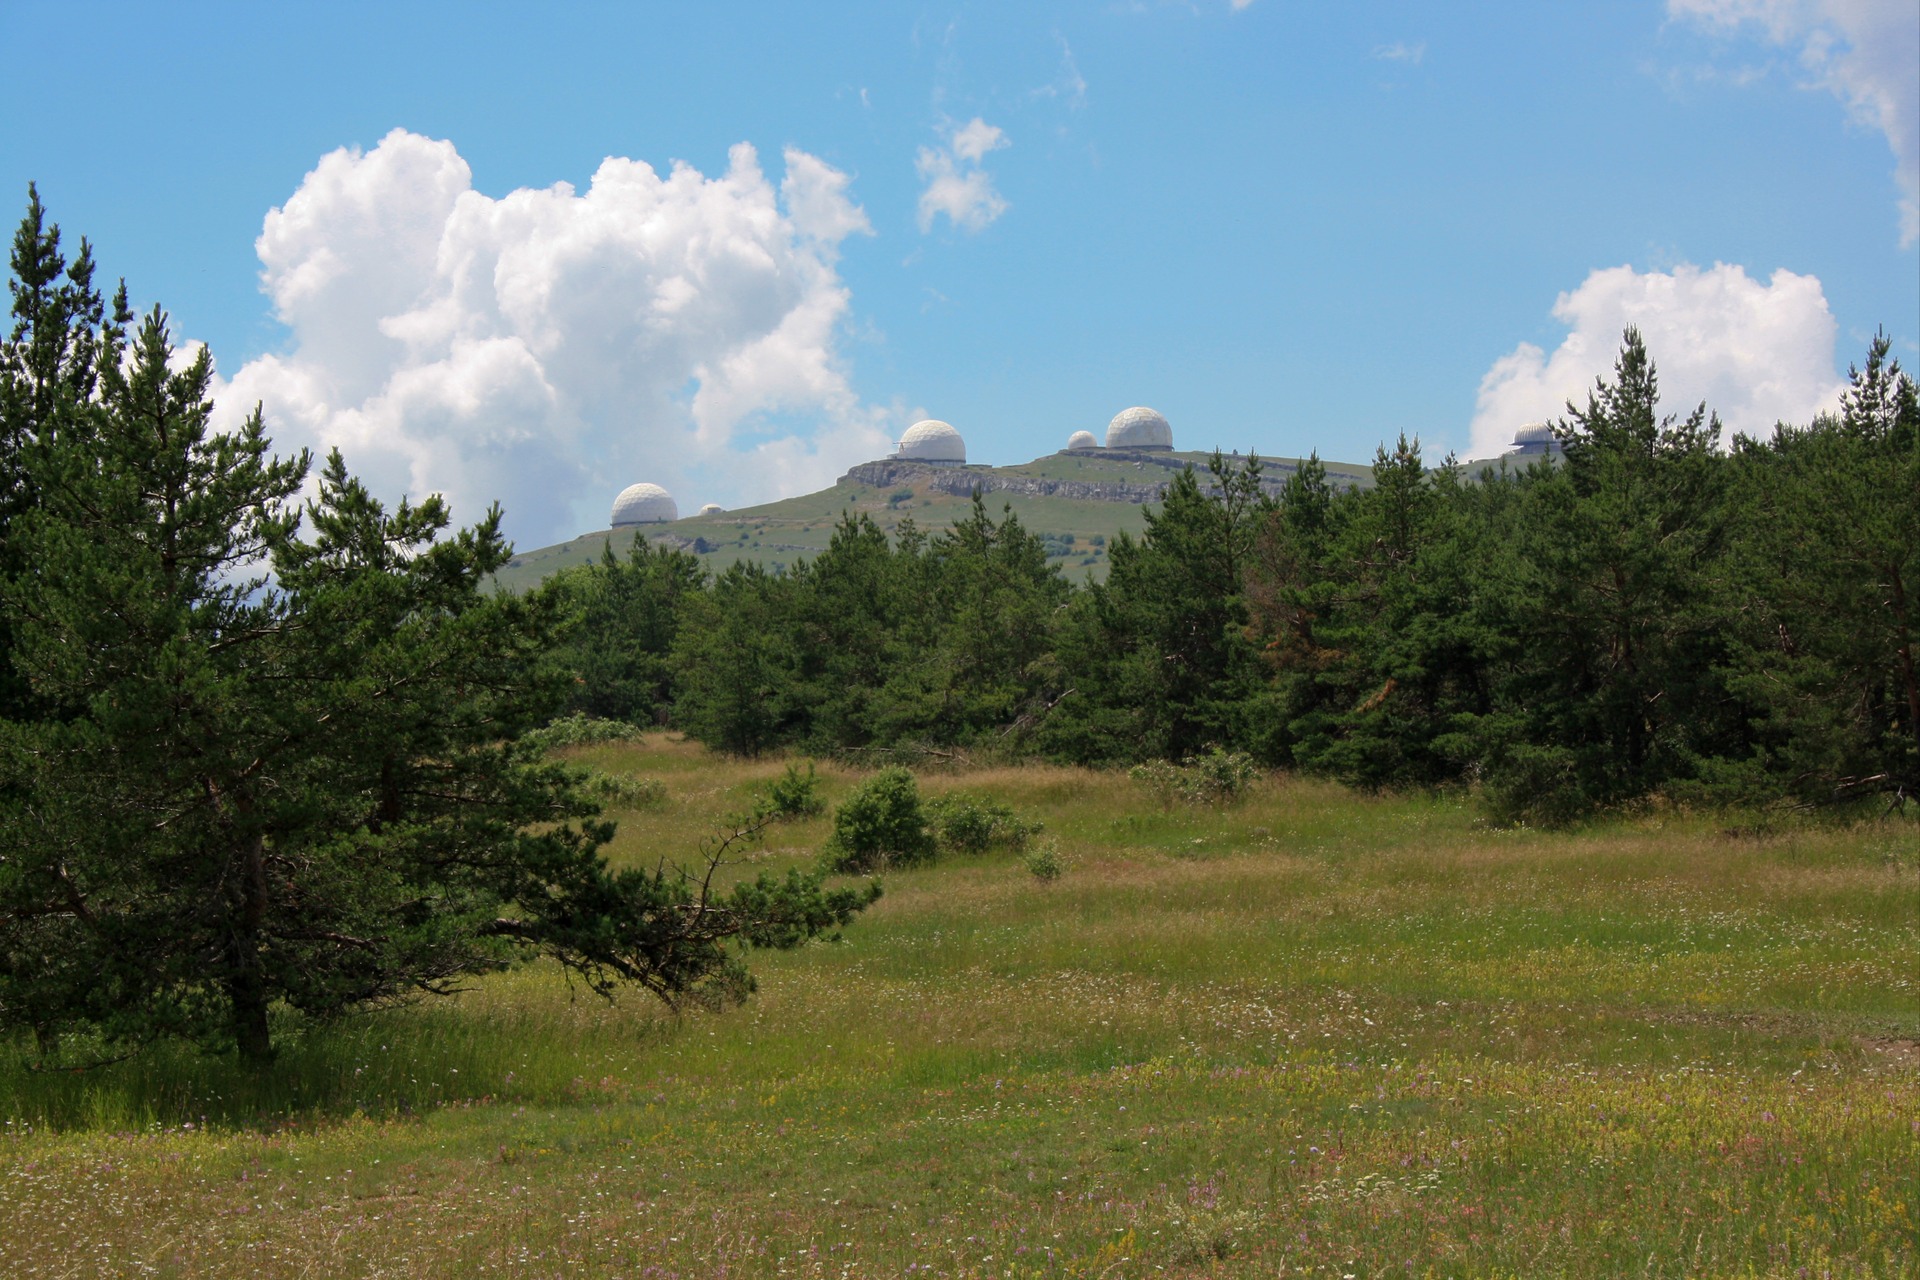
{"points": [[881, 824]]}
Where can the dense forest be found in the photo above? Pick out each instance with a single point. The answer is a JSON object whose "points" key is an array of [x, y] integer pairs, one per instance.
{"points": [[1653, 612]]}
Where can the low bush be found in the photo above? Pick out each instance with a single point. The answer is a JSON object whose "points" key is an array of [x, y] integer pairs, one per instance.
{"points": [[1043, 862], [881, 824], [968, 824], [1218, 777], [625, 790], [582, 731], [795, 795]]}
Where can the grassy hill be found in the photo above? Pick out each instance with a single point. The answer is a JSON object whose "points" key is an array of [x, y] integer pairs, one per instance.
{"points": [[1317, 1033], [779, 533]]}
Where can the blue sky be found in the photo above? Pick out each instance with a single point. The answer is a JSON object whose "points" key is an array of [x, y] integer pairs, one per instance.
{"points": [[1286, 226]]}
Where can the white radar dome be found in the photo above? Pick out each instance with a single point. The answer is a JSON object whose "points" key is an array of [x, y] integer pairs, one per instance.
{"points": [[644, 504], [712, 509], [1535, 440], [1139, 428], [1082, 440], [932, 441]]}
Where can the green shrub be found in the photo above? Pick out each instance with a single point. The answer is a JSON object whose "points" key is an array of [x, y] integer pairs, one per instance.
{"points": [[579, 730], [881, 824], [968, 824], [1221, 775], [1218, 777], [625, 790], [1043, 862], [1529, 785], [794, 795]]}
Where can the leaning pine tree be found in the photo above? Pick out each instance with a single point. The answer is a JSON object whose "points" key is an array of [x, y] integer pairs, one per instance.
{"points": [[272, 763]]}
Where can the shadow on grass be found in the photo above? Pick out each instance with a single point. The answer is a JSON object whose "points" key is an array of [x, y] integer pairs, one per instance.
{"points": [[392, 1063]]}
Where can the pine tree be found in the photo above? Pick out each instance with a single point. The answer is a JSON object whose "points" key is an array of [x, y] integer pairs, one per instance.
{"points": [[1615, 600], [628, 609], [734, 663], [48, 375], [977, 660], [1160, 655], [138, 610], [1828, 596], [280, 769]]}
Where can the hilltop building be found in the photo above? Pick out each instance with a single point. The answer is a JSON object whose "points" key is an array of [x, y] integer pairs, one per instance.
{"points": [[643, 504], [712, 509], [1139, 430], [932, 441], [1534, 442], [1081, 440]]}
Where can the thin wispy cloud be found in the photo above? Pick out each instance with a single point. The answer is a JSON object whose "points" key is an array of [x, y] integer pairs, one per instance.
{"points": [[1866, 53], [1069, 86], [957, 186], [1400, 51]]}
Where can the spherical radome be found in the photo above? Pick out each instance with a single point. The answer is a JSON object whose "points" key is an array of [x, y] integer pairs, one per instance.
{"points": [[643, 504], [1139, 428], [1082, 440], [932, 441], [712, 509], [1534, 438]]}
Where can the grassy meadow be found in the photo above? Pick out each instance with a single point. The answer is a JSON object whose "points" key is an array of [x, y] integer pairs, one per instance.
{"points": [[1311, 1034]]}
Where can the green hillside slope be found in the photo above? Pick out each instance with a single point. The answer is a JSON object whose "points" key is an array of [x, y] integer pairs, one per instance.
{"points": [[1076, 502]]}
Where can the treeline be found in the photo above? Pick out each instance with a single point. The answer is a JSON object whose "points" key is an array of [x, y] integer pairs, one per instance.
{"points": [[1648, 614]]}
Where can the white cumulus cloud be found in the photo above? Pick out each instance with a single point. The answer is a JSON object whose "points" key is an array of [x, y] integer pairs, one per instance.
{"points": [[956, 184], [1864, 52], [1757, 354], [549, 347]]}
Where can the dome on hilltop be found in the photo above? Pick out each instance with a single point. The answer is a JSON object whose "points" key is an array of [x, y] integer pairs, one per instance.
{"points": [[1082, 440], [643, 504], [712, 509], [932, 441], [1535, 438], [1139, 428]]}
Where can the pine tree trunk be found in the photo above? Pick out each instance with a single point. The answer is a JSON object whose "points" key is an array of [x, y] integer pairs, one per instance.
{"points": [[246, 979], [250, 1033], [1904, 648]]}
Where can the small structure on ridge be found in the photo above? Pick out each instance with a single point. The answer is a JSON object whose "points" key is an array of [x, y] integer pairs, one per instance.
{"points": [[932, 441], [1139, 429], [1533, 442], [643, 504]]}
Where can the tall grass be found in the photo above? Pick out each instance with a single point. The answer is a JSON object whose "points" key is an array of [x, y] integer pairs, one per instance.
{"points": [[1314, 1033]]}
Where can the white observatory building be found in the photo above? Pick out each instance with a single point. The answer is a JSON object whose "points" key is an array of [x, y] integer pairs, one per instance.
{"points": [[932, 441], [1139, 429], [643, 504], [1081, 440], [1533, 442]]}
